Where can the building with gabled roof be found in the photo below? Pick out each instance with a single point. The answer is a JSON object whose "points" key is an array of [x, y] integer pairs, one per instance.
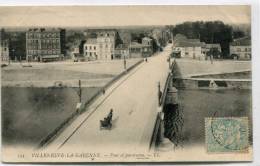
{"points": [[122, 51], [90, 49], [241, 48]]}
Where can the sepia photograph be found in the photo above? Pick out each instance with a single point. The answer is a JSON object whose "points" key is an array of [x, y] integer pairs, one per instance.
{"points": [[149, 83]]}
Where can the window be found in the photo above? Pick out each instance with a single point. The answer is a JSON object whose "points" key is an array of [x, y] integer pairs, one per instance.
{"points": [[90, 47], [86, 47], [238, 49], [94, 47]]}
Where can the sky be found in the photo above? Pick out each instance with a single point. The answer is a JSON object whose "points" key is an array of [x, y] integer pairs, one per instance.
{"points": [[87, 16]]}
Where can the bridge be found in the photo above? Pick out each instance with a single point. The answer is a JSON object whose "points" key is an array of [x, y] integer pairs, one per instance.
{"points": [[134, 99]]}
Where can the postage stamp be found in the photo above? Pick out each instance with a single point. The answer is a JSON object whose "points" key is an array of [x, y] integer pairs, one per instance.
{"points": [[229, 134]]}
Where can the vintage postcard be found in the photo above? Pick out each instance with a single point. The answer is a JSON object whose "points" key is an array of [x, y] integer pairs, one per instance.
{"points": [[126, 83]]}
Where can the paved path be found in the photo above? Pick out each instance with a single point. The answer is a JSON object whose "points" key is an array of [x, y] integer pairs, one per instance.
{"points": [[134, 99]]}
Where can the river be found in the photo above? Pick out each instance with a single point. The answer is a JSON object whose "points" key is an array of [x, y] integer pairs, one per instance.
{"points": [[29, 114]]}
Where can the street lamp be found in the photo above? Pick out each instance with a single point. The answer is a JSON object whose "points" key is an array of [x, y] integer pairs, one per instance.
{"points": [[124, 62]]}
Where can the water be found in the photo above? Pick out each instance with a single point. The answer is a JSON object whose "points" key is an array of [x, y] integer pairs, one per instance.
{"points": [[198, 104], [29, 114]]}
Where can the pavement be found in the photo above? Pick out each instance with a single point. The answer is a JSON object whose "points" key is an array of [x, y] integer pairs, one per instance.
{"points": [[134, 99]]}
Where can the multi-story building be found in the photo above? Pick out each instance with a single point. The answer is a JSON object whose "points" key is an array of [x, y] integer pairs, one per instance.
{"points": [[106, 45], [187, 49], [122, 51], [4, 50], [90, 49], [45, 44], [213, 46], [147, 46], [141, 50], [136, 50], [241, 48]]}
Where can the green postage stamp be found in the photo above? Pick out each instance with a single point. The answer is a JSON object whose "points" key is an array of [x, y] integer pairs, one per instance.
{"points": [[228, 134]]}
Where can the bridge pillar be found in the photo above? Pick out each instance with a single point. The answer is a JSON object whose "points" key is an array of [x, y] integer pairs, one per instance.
{"points": [[172, 94], [161, 130]]}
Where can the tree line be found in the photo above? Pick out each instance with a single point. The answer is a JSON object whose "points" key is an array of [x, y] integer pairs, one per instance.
{"points": [[209, 32]]}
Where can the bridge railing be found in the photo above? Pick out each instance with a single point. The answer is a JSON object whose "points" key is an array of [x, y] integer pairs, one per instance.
{"points": [[161, 104], [166, 85], [53, 134]]}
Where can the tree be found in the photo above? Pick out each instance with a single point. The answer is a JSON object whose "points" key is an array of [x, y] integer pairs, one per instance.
{"points": [[208, 32], [238, 34]]}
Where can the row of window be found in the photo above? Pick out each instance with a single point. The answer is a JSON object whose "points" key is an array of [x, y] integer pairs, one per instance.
{"points": [[246, 49], [36, 47], [43, 52], [90, 54], [43, 41], [47, 35], [90, 47]]}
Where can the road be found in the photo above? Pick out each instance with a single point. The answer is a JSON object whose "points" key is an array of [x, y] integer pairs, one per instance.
{"points": [[134, 99]]}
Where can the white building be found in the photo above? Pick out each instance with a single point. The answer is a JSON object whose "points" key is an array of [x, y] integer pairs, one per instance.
{"points": [[241, 48], [90, 49], [187, 49], [106, 45]]}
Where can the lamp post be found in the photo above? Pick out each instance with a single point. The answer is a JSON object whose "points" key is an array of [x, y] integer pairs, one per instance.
{"points": [[124, 62]]}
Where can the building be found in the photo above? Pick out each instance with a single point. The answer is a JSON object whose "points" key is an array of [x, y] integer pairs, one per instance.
{"points": [[189, 49], [45, 44], [213, 46], [106, 44], [73, 52], [121, 51], [135, 50], [192, 48], [147, 46], [4, 50], [241, 48], [90, 49]]}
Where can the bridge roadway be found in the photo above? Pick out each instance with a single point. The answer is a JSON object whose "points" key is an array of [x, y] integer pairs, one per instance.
{"points": [[134, 99]]}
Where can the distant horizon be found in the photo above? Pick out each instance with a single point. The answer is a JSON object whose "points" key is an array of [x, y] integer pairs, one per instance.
{"points": [[112, 27], [118, 16]]}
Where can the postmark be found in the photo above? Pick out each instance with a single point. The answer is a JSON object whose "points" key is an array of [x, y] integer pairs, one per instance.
{"points": [[229, 134]]}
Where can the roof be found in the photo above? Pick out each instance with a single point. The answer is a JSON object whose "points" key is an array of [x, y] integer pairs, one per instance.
{"points": [[147, 38], [188, 44], [44, 30], [245, 41], [91, 41], [135, 44], [179, 36], [122, 46], [210, 45]]}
